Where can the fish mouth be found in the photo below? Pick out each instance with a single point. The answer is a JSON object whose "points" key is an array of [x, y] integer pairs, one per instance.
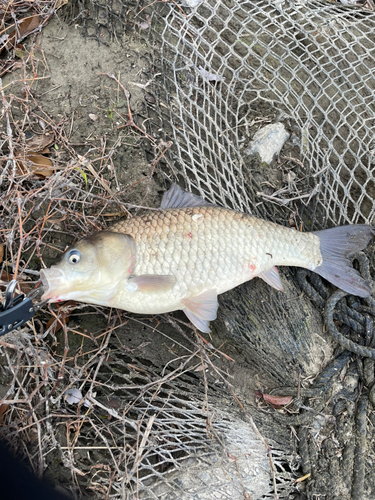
{"points": [[58, 287], [52, 279]]}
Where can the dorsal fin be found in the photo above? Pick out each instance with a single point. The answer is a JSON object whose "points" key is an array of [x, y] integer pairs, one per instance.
{"points": [[176, 197]]}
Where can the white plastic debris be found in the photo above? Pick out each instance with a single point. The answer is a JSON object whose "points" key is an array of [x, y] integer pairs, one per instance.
{"points": [[74, 396], [268, 141], [210, 77], [192, 3]]}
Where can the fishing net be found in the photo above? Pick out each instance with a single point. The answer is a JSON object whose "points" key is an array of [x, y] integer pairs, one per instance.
{"points": [[228, 68], [148, 436], [222, 70], [225, 69], [219, 72]]}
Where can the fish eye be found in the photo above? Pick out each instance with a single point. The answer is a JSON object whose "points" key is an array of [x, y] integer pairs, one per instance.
{"points": [[74, 257]]}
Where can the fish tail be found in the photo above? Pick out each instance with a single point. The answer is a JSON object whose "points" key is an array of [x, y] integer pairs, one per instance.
{"points": [[336, 247]]}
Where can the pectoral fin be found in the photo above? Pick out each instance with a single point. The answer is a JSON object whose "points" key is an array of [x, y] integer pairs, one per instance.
{"points": [[272, 277], [202, 309], [151, 283]]}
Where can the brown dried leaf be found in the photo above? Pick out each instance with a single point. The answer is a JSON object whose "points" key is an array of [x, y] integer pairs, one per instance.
{"points": [[3, 409], [35, 163], [39, 160], [25, 26], [276, 401], [31, 159], [39, 142], [28, 25], [5, 277], [41, 164], [1, 253]]}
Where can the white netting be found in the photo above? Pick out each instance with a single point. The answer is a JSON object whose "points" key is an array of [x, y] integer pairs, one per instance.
{"points": [[307, 64], [143, 436]]}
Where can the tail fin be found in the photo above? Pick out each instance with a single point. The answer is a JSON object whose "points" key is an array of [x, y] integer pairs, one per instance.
{"points": [[336, 246]]}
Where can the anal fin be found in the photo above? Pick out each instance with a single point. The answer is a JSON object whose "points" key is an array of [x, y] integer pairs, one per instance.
{"points": [[272, 277], [201, 309]]}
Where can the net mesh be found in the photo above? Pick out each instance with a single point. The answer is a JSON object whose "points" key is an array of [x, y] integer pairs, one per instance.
{"points": [[307, 64], [124, 429]]}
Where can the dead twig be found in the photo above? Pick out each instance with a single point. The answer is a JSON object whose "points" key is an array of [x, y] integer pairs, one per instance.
{"points": [[11, 159], [130, 122]]}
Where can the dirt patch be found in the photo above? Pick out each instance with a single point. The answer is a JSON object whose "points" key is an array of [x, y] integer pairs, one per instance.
{"points": [[75, 91]]}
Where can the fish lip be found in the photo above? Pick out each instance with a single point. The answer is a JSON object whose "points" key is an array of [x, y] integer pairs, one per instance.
{"points": [[52, 279], [57, 288]]}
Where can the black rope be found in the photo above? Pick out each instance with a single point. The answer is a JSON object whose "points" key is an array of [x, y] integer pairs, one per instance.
{"points": [[366, 352], [359, 456], [356, 335], [313, 286], [368, 363], [345, 308]]}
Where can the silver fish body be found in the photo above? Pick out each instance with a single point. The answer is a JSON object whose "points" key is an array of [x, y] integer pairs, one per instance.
{"points": [[187, 253], [207, 248]]}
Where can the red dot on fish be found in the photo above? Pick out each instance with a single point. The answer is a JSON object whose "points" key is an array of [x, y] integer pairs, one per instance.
{"points": [[189, 235], [251, 267]]}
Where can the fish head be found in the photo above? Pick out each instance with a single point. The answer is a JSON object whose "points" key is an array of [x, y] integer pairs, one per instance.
{"points": [[90, 270]]}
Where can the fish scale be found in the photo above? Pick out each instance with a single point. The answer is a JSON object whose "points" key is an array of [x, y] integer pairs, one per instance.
{"points": [[205, 248], [185, 254]]}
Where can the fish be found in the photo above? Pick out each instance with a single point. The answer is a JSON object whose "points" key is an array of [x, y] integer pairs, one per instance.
{"points": [[186, 253]]}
